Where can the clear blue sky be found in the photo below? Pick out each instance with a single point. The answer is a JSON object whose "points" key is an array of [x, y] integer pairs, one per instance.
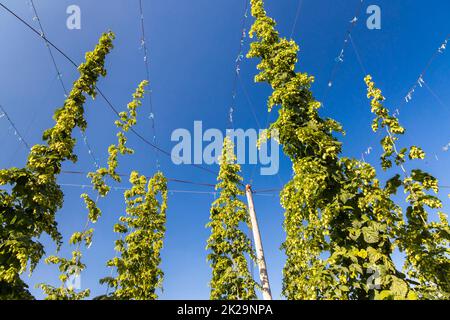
{"points": [[193, 46]]}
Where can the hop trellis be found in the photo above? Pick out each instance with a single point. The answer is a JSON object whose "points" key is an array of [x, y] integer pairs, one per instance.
{"points": [[341, 191]]}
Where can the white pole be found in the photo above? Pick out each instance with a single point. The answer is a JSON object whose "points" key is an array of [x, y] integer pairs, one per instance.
{"points": [[267, 294]]}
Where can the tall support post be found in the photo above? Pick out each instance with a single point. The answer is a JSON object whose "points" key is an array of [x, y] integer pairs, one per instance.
{"points": [[263, 275]]}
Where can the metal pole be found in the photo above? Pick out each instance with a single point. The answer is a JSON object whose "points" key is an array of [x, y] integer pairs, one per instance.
{"points": [[267, 294]]}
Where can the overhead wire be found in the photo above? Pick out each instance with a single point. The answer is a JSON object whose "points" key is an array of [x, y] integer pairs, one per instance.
{"points": [[100, 92], [237, 67], [297, 15], [55, 65], [339, 60], [438, 99], [147, 73], [421, 79], [17, 133], [358, 56], [60, 78], [85, 139], [72, 172], [421, 82]]}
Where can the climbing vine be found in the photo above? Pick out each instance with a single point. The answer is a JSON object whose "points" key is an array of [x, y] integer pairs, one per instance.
{"points": [[72, 268], [138, 272], [341, 225], [228, 244], [28, 210], [425, 243]]}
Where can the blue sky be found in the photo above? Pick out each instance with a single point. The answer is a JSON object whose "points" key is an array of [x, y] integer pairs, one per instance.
{"points": [[193, 47]]}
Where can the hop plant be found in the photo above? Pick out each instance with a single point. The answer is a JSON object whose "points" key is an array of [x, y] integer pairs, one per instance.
{"points": [[29, 209], [143, 228], [228, 244]]}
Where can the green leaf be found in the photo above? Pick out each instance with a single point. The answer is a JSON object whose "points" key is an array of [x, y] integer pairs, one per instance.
{"points": [[370, 235]]}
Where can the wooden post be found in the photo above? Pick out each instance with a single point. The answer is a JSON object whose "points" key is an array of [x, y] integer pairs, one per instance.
{"points": [[267, 294]]}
